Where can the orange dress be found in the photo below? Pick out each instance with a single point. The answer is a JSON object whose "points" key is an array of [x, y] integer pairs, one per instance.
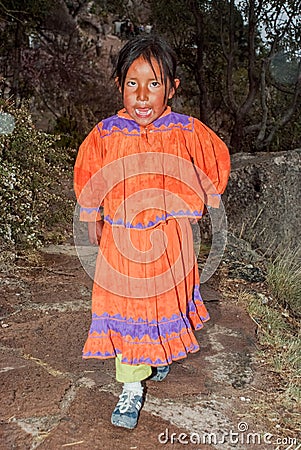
{"points": [[150, 182]]}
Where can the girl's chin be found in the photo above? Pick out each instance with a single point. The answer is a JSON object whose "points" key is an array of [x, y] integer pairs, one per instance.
{"points": [[144, 121]]}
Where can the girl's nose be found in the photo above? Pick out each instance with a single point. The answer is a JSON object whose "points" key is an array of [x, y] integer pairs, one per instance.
{"points": [[142, 93]]}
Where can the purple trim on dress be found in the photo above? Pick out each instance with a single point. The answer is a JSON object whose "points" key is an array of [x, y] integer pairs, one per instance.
{"points": [[192, 306], [158, 362], [88, 210], [157, 220], [174, 119], [192, 309], [154, 330], [197, 293], [142, 360], [101, 355], [121, 124], [132, 128], [127, 327]]}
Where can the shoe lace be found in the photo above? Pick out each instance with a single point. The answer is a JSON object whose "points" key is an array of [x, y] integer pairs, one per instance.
{"points": [[126, 401]]}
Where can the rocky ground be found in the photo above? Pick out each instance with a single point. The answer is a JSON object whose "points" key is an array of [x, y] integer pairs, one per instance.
{"points": [[52, 399]]}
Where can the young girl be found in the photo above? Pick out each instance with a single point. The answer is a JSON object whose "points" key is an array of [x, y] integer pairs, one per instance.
{"points": [[151, 170]]}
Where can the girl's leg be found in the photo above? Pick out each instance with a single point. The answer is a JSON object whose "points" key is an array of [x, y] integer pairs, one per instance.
{"points": [[126, 373], [127, 410]]}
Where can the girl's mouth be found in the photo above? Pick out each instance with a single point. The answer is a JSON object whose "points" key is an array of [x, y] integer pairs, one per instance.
{"points": [[143, 112]]}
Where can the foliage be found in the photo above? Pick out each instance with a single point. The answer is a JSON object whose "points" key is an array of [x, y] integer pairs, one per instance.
{"points": [[29, 12], [245, 60], [53, 60], [100, 7], [33, 171], [239, 63], [284, 278], [19, 22]]}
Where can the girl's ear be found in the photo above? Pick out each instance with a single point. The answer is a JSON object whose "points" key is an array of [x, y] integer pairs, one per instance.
{"points": [[172, 90], [118, 84]]}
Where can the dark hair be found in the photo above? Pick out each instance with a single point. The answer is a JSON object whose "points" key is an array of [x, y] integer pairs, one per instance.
{"points": [[148, 47]]}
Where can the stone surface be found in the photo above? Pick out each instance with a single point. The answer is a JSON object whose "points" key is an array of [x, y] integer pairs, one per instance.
{"points": [[263, 199], [51, 399]]}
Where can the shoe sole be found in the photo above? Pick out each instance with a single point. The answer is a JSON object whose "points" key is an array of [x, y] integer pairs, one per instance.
{"points": [[123, 424]]}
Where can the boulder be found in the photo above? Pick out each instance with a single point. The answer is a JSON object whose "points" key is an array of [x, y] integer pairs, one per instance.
{"points": [[263, 199]]}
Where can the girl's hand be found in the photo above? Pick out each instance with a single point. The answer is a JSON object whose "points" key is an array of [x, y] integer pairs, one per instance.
{"points": [[94, 232]]}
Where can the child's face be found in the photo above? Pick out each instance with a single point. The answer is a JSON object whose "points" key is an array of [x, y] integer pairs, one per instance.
{"points": [[144, 92]]}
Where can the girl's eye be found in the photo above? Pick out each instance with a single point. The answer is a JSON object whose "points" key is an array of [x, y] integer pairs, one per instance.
{"points": [[131, 83], [155, 84]]}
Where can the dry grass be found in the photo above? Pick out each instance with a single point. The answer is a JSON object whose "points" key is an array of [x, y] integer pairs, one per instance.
{"points": [[284, 279], [279, 336], [275, 308], [280, 355]]}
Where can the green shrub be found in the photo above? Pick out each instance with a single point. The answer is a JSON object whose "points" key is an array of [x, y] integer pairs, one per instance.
{"points": [[35, 176]]}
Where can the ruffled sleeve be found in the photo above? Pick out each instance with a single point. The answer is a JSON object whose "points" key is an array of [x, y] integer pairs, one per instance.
{"points": [[211, 155], [87, 176]]}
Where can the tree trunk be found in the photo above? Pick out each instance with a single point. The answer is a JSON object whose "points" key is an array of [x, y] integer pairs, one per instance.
{"points": [[204, 103], [237, 135], [15, 88]]}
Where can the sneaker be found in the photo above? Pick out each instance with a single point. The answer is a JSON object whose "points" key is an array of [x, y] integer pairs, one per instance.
{"points": [[160, 373], [127, 410]]}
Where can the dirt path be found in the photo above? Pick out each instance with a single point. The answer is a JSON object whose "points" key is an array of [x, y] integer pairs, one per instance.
{"points": [[52, 399]]}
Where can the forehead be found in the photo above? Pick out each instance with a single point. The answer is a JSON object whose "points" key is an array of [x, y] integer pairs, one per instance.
{"points": [[140, 67]]}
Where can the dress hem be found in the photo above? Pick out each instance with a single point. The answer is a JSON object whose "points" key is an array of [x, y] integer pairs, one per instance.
{"points": [[151, 363]]}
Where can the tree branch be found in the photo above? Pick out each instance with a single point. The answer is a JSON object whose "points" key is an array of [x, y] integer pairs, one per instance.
{"points": [[288, 114]]}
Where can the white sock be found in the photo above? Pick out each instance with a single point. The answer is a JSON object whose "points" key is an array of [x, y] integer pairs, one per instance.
{"points": [[135, 387]]}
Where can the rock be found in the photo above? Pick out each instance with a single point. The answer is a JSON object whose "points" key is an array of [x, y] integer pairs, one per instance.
{"points": [[247, 272], [238, 249], [242, 261], [263, 199]]}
